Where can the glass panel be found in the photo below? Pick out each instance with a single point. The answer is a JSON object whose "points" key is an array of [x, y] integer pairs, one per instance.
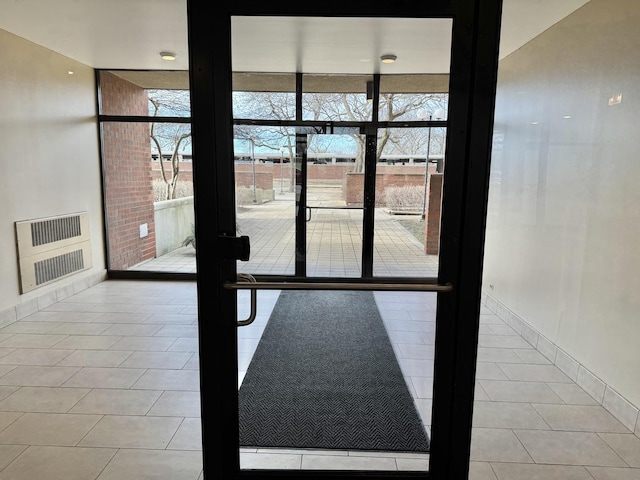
{"points": [[335, 189], [394, 107], [148, 172], [261, 105], [148, 202], [265, 197], [333, 248], [336, 98], [409, 174], [408, 194], [258, 96], [125, 92]]}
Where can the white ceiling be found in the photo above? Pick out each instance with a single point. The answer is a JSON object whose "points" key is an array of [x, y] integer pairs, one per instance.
{"points": [[129, 34]]}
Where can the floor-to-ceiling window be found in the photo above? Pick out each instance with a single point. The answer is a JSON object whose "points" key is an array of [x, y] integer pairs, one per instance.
{"points": [[147, 171]]}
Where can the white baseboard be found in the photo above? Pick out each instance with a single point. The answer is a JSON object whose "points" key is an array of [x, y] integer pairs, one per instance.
{"points": [[37, 303], [627, 413]]}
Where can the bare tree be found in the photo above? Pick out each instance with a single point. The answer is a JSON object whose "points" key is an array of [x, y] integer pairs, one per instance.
{"points": [[169, 139], [392, 107], [336, 107]]}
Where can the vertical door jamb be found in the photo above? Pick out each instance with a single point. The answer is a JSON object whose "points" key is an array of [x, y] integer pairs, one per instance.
{"points": [[210, 84], [465, 194]]}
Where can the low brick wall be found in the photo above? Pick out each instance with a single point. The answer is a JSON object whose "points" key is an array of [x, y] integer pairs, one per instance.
{"points": [[328, 172], [354, 185], [264, 191], [264, 180]]}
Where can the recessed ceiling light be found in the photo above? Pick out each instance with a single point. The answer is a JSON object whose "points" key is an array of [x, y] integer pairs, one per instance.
{"points": [[168, 56], [389, 58]]}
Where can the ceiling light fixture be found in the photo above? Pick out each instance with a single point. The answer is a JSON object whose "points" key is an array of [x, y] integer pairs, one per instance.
{"points": [[389, 58], [168, 56]]}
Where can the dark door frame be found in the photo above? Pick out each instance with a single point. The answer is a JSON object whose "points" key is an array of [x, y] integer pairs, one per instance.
{"points": [[476, 27]]}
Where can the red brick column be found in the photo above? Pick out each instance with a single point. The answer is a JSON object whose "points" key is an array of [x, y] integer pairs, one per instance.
{"points": [[432, 220], [127, 174]]}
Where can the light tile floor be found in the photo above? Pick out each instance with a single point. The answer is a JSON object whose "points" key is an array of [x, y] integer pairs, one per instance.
{"points": [[105, 385]]}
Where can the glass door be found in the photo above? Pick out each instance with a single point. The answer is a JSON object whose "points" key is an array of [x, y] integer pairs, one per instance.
{"points": [[265, 186], [453, 295], [334, 206]]}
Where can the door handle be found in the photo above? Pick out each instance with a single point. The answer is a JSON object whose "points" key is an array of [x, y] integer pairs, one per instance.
{"points": [[397, 287], [246, 278], [246, 281]]}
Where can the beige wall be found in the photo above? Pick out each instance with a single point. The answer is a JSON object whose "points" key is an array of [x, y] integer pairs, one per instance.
{"points": [[49, 154], [563, 231]]}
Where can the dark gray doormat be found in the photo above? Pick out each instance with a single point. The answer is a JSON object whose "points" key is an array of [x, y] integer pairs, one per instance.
{"points": [[325, 376]]}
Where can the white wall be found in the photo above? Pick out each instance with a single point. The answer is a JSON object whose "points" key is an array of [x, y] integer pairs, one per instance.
{"points": [[563, 231], [49, 155]]}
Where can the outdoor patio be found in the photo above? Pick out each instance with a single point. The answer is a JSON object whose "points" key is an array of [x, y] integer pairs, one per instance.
{"points": [[334, 241]]}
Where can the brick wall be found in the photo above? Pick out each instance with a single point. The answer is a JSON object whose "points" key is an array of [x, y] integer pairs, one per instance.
{"points": [[415, 169], [185, 174], [355, 185], [432, 220], [264, 180], [322, 171], [328, 172], [128, 186]]}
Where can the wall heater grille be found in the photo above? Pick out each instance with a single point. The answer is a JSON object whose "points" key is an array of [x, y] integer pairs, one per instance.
{"points": [[52, 248], [54, 230]]}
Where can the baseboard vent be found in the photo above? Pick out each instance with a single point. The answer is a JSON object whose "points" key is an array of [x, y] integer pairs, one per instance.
{"points": [[52, 248]]}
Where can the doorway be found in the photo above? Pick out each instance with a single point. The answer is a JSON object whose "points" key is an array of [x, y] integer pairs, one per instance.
{"points": [[457, 284]]}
